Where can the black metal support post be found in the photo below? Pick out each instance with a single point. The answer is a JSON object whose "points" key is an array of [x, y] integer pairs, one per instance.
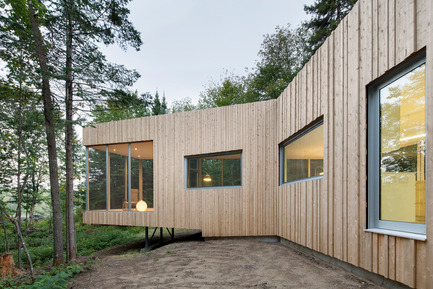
{"points": [[160, 235], [146, 239], [154, 231], [171, 233]]}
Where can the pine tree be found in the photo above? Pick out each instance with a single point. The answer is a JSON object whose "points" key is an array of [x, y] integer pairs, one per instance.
{"points": [[59, 44], [83, 67], [159, 107], [327, 14]]}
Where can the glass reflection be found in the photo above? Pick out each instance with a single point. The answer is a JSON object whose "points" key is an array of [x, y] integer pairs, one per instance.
{"points": [[97, 178], [141, 176], [303, 157], [214, 170], [118, 170], [402, 125]]}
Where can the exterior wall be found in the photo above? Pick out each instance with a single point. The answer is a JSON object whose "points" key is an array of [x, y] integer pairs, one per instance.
{"points": [[327, 215], [330, 215], [246, 211]]}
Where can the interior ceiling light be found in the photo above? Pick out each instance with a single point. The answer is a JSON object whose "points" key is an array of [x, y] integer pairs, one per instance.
{"points": [[207, 178]]}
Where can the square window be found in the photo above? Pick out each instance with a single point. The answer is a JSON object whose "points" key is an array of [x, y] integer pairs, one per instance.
{"points": [[120, 177], [214, 170]]}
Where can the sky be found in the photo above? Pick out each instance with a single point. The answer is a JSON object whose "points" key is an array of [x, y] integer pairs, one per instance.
{"points": [[188, 43]]}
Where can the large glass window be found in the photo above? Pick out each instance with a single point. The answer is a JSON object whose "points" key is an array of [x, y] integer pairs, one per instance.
{"points": [[397, 150], [302, 154], [142, 173], [214, 170], [121, 177], [97, 178], [118, 176]]}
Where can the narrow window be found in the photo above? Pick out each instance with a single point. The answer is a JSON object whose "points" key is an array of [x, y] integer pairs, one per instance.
{"points": [[214, 170], [96, 178], [397, 150], [142, 176], [302, 154]]}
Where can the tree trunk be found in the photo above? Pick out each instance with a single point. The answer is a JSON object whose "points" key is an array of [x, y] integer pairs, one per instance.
{"points": [[31, 206], [20, 236], [71, 246], [51, 139], [7, 266], [19, 191]]}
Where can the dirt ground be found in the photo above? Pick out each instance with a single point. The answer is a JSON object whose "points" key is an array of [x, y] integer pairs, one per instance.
{"points": [[231, 263]]}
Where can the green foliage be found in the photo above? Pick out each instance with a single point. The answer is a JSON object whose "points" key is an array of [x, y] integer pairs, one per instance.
{"points": [[90, 239], [120, 105], [94, 238], [42, 254], [230, 90], [159, 106], [16, 101], [87, 23], [16, 42], [56, 278], [281, 57], [327, 14], [184, 104]]}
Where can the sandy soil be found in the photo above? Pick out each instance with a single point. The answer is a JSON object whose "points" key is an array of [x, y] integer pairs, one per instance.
{"points": [[215, 264]]}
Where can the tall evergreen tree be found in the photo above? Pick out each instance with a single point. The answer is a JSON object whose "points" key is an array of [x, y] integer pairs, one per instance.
{"points": [[41, 53], [15, 38], [327, 14], [73, 59], [159, 106], [77, 26]]}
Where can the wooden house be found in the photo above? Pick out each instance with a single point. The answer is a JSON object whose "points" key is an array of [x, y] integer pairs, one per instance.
{"points": [[337, 164]]}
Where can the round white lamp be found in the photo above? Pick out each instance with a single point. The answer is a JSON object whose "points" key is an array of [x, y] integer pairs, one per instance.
{"points": [[141, 206]]}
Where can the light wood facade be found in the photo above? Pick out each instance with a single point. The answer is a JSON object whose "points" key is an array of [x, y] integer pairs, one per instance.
{"points": [[327, 215]]}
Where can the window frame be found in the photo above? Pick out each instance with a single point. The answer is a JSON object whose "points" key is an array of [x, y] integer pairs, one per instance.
{"points": [[187, 158], [108, 178], [396, 228], [299, 134]]}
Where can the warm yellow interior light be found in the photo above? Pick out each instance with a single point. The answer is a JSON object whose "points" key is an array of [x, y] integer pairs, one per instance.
{"points": [[207, 178], [141, 206]]}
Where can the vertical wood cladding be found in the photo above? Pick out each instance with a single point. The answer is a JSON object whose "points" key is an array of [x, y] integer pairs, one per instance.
{"points": [[376, 36], [245, 211], [327, 215]]}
